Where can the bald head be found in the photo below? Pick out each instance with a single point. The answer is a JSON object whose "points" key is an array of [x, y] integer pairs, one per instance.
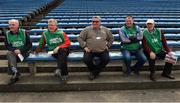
{"points": [[13, 25]]}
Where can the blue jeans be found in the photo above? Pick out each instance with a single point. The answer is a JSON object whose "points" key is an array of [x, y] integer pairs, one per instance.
{"points": [[139, 55]]}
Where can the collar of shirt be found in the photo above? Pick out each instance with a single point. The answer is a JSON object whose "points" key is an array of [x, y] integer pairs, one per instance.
{"points": [[15, 32], [97, 28]]}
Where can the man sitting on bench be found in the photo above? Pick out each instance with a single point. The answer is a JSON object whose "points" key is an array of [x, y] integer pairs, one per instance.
{"points": [[95, 40], [155, 46], [18, 44], [58, 45], [131, 35]]}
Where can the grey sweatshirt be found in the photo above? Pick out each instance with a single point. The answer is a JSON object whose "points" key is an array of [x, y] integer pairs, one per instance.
{"points": [[97, 40]]}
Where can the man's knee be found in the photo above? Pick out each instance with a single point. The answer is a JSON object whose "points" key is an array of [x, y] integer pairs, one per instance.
{"points": [[87, 58], [143, 58], [10, 54], [106, 59], [127, 58], [63, 51]]}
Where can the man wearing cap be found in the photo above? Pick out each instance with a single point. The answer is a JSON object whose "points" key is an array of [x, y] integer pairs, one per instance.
{"points": [[155, 46], [58, 43], [18, 44], [95, 40], [131, 35]]}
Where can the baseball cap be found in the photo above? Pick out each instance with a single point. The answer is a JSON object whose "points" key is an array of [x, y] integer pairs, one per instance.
{"points": [[150, 21]]}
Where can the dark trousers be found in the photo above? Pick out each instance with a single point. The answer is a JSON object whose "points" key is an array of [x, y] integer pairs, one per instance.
{"points": [[141, 59], [95, 66], [167, 68], [61, 58]]}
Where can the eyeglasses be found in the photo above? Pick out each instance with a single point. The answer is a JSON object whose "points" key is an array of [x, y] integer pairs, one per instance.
{"points": [[95, 21], [11, 24]]}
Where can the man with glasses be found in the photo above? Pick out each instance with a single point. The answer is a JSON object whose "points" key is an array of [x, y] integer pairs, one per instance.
{"points": [[58, 44], [95, 40], [18, 43], [131, 35]]}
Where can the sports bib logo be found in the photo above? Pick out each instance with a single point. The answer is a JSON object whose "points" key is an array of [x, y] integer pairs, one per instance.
{"points": [[17, 44], [55, 40]]}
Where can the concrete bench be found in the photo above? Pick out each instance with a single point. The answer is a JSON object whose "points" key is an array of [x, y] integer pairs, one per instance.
{"points": [[33, 59]]}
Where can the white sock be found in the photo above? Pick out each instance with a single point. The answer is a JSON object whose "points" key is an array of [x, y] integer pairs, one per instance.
{"points": [[14, 69]]}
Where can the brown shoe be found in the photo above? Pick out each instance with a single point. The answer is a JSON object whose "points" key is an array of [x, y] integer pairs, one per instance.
{"points": [[152, 77]]}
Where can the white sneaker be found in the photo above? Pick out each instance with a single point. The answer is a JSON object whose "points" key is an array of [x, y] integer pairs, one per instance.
{"points": [[64, 77]]}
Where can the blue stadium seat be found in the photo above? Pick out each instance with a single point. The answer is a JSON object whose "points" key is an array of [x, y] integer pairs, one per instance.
{"points": [[74, 56]]}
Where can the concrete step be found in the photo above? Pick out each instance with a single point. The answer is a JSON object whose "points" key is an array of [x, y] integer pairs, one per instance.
{"points": [[3, 54], [48, 67], [78, 81], [51, 66], [2, 46]]}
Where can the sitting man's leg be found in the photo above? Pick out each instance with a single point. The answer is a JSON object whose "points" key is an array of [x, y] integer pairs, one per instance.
{"points": [[141, 59], [168, 66], [167, 71], [104, 60], [127, 61], [62, 62], [12, 67], [151, 67], [88, 60]]}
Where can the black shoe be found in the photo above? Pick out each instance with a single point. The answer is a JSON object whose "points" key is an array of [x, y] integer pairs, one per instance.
{"points": [[152, 77], [14, 78], [136, 72], [91, 76], [167, 76], [127, 73]]}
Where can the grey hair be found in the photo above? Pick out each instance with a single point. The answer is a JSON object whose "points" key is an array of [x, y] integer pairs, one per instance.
{"points": [[53, 21], [98, 17], [14, 20]]}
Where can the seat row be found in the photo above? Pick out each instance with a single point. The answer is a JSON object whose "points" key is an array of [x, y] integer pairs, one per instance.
{"points": [[110, 24], [113, 30]]}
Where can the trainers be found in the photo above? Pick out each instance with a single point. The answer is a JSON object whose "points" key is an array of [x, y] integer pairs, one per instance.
{"points": [[14, 78], [64, 77], [92, 76], [167, 76], [57, 72], [136, 72], [152, 77]]}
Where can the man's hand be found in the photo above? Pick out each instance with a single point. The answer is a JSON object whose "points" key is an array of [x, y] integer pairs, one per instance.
{"points": [[107, 48], [38, 49], [55, 50], [170, 54], [87, 49], [17, 51], [132, 38], [152, 55]]}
